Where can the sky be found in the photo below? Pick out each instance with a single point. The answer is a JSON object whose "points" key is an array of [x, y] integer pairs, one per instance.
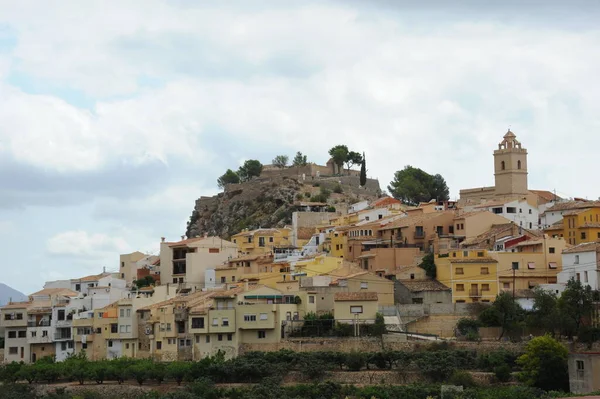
{"points": [[116, 115]]}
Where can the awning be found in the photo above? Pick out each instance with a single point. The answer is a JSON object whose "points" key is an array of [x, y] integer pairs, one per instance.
{"points": [[531, 265], [263, 296], [552, 265]]}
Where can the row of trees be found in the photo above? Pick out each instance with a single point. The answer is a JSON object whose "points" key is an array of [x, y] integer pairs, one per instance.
{"points": [[566, 315]]}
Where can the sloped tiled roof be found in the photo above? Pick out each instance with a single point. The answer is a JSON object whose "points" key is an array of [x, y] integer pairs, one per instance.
{"points": [[473, 260], [424, 285], [556, 226], [355, 296], [546, 195], [55, 291], [412, 220], [583, 247], [568, 205], [16, 305]]}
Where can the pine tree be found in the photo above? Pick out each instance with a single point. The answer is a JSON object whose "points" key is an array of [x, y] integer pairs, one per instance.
{"points": [[363, 171]]}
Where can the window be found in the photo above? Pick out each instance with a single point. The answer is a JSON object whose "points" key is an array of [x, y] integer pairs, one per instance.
{"points": [[552, 250], [466, 254], [45, 333], [122, 313], [61, 314], [13, 350], [288, 315], [114, 328], [496, 210], [215, 321], [22, 334], [576, 259], [126, 346], [502, 165], [168, 326], [480, 254], [249, 317], [356, 309], [530, 211], [223, 279], [585, 277], [460, 287], [417, 301], [520, 210], [225, 322], [33, 334], [12, 334], [263, 316], [261, 241], [262, 334], [197, 322], [485, 287], [110, 344], [459, 270], [213, 250], [531, 265], [220, 337], [270, 239], [232, 278], [412, 276], [485, 270], [77, 287], [515, 265], [518, 164], [311, 299], [460, 301], [128, 313], [158, 345], [506, 285], [364, 285], [511, 209], [208, 339], [229, 337], [580, 368]]}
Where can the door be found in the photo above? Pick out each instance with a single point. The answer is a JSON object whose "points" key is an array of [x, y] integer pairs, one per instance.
{"points": [[33, 357]]}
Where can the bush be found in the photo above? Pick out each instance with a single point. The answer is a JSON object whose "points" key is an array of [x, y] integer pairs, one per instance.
{"points": [[178, 371], [502, 372], [467, 325], [463, 378], [545, 364], [355, 361], [307, 194], [338, 189]]}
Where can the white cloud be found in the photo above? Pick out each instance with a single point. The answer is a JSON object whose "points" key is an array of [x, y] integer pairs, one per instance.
{"points": [[81, 244]]}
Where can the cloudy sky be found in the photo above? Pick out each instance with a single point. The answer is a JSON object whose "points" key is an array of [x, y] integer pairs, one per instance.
{"points": [[116, 115]]}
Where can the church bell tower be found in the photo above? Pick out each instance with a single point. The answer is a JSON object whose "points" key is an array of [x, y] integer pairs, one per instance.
{"points": [[510, 166]]}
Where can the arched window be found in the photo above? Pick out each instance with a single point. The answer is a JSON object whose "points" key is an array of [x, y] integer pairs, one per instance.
{"points": [[518, 164], [502, 165]]}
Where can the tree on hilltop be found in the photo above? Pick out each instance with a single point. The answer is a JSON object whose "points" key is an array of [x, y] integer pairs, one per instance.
{"points": [[230, 177], [280, 161], [413, 185], [299, 159], [363, 171], [251, 168]]}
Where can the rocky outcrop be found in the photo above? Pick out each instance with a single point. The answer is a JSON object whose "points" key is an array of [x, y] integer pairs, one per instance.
{"points": [[268, 201]]}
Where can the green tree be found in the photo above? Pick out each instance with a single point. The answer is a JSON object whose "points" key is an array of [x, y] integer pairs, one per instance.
{"points": [[505, 312], [363, 171], [413, 185], [544, 364], [575, 306], [339, 154], [353, 158], [544, 314], [280, 161], [178, 371], [251, 168], [230, 177], [428, 264], [144, 282], [299, 160]]}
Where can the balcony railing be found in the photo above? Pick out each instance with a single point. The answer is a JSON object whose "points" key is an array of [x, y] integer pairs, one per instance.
{"points": [[474, 293], [42, 323], [62, 336]]}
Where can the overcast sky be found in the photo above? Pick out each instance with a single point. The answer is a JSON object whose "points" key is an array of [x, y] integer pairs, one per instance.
{"points": [[116, 115]]}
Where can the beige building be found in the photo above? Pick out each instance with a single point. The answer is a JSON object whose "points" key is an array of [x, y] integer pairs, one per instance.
{"points": [[129, 264], [584, 372], [355, 306], [184, 263], [262, 241], [14, 320], [420, 230]]}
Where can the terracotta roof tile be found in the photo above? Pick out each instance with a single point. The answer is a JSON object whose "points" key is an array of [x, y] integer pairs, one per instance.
{"points": [[355, 296], [474, 260], [16, 305], [385, 201], [546, 195], [424, 285], [413, 220], [568, 205], [583, 247], [55, 291]]}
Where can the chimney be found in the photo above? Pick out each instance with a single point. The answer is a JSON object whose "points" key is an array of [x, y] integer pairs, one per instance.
{"points": [[162, 239]]}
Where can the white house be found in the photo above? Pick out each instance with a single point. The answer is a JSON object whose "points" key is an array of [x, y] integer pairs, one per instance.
{"points": [[520, 212], [582, 263], [555, 213]]}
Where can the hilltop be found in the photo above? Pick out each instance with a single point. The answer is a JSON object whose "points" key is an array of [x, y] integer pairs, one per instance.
{"points": [[8, 293], [268, 200]]}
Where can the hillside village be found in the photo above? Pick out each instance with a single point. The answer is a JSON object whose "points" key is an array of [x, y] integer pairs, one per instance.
{"points": [[349, 266]]}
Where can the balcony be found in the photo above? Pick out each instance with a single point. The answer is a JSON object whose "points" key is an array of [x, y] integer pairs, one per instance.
{"points": [[474, 293], [62, 336], [41, 323]]}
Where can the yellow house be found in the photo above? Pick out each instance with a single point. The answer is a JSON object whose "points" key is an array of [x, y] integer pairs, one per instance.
{"points": [[364, 281], [471, 274], [581, 225], [338, 242], [262, 241], [353, 306]]}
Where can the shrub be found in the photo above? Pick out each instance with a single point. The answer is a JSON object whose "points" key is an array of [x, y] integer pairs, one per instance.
{"points": [[178, 371], [338, 189], [502, 372], [467, 325], [307, 194], [140, 371], [463, 378], [545, 364], [355, 361]]}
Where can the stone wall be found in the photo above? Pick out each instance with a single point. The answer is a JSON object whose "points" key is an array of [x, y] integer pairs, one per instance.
{"points": [[364, 344], [374, 377]]}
